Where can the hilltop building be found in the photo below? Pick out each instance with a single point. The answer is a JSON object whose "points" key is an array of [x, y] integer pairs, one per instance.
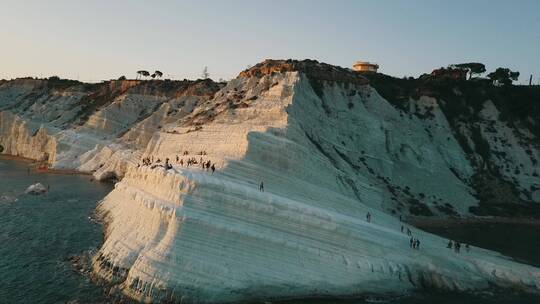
{"points": [[364, 66]]}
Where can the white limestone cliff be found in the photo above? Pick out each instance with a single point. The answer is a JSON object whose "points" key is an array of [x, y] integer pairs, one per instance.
{"points": [[188, 235], [97, 128], [328, 148]]}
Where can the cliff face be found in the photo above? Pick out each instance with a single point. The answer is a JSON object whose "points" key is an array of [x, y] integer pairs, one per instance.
{"points": [[497, 129], [95, 128], [329, 146]]}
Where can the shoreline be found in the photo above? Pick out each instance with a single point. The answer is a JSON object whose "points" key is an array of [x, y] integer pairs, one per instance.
{"points": [[32, 163], [422, 222], [16, 158]]}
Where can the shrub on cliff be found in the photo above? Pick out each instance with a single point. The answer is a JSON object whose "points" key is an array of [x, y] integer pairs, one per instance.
{"points": [[503, 76]]}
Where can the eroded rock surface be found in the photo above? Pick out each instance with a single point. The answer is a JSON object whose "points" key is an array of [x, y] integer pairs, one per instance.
{"points": [[328, 147]]}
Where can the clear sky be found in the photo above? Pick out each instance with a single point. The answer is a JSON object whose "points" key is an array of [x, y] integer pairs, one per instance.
{"points": [[95, 39]]}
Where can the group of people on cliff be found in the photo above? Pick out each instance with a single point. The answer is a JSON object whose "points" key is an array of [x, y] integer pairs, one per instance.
{"points": [[198, 153], [149, 161], [409, 232], [205, 165], [457, 246], [414, 243]]}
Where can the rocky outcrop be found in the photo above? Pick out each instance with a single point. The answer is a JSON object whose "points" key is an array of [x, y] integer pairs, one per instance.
{"points": [[95, 128], [36, 189], [313, 69]]}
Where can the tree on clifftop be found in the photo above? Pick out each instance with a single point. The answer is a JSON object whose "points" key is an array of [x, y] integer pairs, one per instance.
{"points": [[471, 67], [503, 76], [156, 74], [143, 73], [205, 73]]}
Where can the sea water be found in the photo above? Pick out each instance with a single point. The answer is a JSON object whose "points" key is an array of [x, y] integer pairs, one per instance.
{"points": [[39, 233]]}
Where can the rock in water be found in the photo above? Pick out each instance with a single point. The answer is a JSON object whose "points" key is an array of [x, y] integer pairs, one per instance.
{"points": [[36, 189], [6, 198]]}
